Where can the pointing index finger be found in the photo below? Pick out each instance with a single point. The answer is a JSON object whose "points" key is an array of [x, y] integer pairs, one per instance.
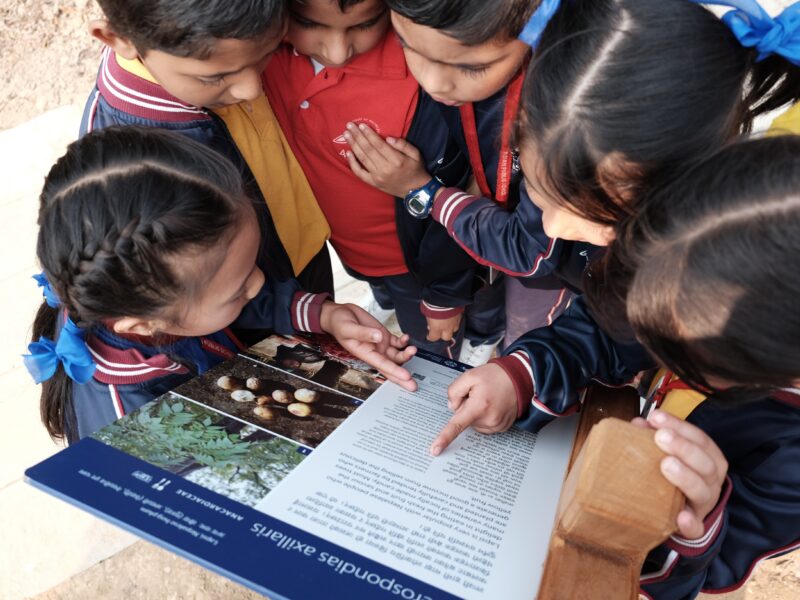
{"points": [[465, 416]]}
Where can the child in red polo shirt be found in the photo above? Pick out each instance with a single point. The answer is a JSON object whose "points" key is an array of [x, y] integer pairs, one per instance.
{"points": [[344, 66]]}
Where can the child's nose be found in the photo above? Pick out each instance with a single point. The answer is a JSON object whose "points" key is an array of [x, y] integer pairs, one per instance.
{"points": [[247, 87], [255, 283], [338, 50], [434, 81]]}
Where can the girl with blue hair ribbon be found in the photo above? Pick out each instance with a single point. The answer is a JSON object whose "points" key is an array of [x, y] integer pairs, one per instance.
{"points": [[755, 28], [152, 255]]}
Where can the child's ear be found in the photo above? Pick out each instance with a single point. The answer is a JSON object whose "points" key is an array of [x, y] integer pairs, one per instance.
{"points": [[101, 29], [619, 177], [136, 326]]}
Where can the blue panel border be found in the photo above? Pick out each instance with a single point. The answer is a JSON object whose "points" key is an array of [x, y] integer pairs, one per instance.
{"points": [[245, 545]]}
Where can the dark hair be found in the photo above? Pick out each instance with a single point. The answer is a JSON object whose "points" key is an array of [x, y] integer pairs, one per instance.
{"points": [[706, 274], [343, 4], [190, 28], [115, 211], [648, 85], [471, 22]]}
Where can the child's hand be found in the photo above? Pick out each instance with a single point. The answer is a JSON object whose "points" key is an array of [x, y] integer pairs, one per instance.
{"points": [[443, 329], [695, 465], [484, 398], [365, 338], [393, 165]]}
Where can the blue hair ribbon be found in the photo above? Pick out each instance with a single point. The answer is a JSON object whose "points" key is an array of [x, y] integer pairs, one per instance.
{"points": [[754, 28], [47, 291], [533, 30], [70, 350]]}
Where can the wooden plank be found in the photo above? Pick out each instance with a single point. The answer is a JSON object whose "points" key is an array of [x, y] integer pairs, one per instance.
{"points": [[615, 505], [601, 403]]}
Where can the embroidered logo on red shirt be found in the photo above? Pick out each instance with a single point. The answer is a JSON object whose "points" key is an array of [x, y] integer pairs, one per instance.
{"points": [[342, 141]]}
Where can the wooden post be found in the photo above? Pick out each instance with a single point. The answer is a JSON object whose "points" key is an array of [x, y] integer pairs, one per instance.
{"points": [[615, 507]]}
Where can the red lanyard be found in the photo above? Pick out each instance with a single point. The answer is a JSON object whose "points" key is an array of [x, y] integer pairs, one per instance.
{"points": [[669, 384], [216, 348], [506, 162]]}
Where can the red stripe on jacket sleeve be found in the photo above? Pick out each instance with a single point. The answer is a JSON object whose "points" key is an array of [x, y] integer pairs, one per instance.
{"points": [[447, 207], [449, 203], [306, 310], [517, 367], [438, 312], [712, 526]]}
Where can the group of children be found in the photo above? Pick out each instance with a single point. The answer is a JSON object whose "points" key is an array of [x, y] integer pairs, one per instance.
{"points": [[486, 167]]}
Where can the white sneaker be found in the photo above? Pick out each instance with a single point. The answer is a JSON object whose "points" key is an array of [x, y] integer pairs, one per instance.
{"points": [[475, 356]]}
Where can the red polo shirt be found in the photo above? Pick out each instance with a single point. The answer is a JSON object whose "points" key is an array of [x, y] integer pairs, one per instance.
{"points": [[375, 88]]}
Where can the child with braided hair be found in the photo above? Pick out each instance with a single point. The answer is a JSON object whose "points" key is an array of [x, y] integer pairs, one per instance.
{"points": [[149, 250]]}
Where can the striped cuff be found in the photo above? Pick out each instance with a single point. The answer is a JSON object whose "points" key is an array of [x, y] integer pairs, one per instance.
{"points": [[452, 202], [306, 309], [517, 367], [438, 312], [712, 523], [449, 204], [129, 367]]}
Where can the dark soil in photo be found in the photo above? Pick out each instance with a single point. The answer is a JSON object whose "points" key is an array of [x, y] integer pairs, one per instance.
{"points": [[326, 413]]}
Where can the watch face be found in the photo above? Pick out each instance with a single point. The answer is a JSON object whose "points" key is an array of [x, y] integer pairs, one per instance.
{"points": [[416, 204], [419, 203]]}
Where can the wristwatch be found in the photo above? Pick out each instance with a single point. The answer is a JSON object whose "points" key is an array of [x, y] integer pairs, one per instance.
{"points": [[419, 202]]}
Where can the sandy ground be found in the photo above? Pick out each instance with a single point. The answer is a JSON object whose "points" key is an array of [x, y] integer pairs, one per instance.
{"points": [[48, 60]]}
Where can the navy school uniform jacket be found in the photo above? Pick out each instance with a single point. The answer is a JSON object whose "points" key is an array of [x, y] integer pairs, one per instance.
{"points": [[129, 375], [758, 515], [513, 242], [447, 274], [509, 239]]}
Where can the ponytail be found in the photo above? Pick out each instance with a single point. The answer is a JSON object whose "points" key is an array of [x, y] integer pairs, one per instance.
{"points": [[774, 48], [55, 403]]}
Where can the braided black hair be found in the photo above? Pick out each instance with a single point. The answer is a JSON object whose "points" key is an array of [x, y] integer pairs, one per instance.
{"points": [[114, 213]]}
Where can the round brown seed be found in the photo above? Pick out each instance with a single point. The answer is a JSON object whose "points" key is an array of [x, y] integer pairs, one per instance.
{"points": [[282, 396], [306, 395], [230, 383], [298, 409], [264, 412]]}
